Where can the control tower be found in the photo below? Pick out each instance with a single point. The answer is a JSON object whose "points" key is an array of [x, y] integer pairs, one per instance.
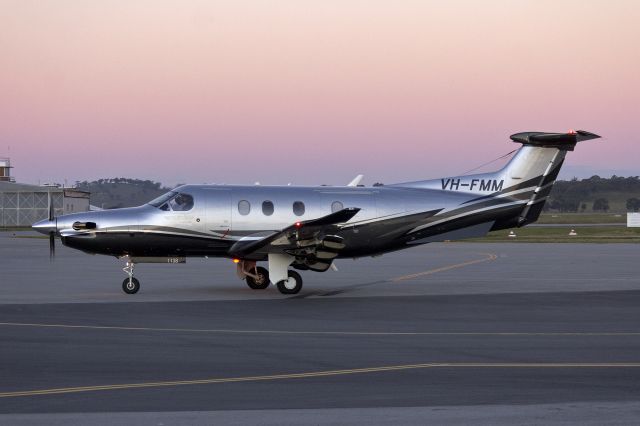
{"points": [[5, 170]]}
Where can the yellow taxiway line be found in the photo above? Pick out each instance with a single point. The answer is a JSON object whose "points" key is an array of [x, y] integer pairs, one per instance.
{"points": [[57, 391], [487, 258]]}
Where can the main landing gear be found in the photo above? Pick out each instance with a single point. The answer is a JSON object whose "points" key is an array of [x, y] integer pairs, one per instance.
{"points": [[258, 278], [130, 285], [260, 281], [291, 285]]}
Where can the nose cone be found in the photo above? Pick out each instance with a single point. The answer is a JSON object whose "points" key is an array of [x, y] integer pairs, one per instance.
{"points": [[45, 226]]}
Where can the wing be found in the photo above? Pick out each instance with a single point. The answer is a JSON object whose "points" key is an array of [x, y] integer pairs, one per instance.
{"points": [[312, 242]]}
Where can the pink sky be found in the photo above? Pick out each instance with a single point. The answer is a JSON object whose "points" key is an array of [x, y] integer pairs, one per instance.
{"points": [[310, 91]]}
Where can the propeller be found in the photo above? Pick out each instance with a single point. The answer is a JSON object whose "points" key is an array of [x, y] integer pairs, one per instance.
{"points": [[49, 227], [52, 232]]}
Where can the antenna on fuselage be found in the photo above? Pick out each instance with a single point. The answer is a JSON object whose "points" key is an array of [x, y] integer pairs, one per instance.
{"points": [[356, 180]]}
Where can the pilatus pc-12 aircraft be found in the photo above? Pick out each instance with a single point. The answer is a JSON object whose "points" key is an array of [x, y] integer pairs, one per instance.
{"points": [[306, 228]]}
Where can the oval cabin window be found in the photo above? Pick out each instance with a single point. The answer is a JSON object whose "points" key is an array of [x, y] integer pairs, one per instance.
{"points": [[267, 208], [298, 208], [244, 207], [336, 206]]}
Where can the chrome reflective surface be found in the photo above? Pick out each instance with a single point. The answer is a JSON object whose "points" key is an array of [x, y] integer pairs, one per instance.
{"points": [[208, 220]]}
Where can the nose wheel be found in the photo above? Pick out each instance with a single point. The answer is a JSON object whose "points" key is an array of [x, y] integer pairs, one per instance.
{"points": [[130, 285], [291, 285]]}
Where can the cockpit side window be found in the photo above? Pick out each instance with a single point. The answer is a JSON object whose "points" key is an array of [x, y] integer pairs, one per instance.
{"points": [[181, 202], [173, 201]]}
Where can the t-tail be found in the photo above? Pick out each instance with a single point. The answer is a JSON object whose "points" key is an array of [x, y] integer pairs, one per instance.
{"points": [[529, 175]]}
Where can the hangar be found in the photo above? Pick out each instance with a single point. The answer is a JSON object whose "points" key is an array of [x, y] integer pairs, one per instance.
{"points": [[21, 204]]}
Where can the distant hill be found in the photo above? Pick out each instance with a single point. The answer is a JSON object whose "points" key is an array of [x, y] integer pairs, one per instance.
{"points": [[121, 192]]}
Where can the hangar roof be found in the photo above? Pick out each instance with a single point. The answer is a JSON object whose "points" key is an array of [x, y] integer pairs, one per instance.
{"points": [[24, 187]]}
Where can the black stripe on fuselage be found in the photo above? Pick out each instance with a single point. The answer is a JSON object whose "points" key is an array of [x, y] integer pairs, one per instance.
{"points": [[493, 202], [147, 244], [553, 175], [526, 184], [536, 181]]}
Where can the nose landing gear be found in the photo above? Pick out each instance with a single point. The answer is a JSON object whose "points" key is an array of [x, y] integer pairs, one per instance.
{"points": [[130, 285]]}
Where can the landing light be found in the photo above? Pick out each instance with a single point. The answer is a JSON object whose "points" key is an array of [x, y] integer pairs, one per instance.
{"points": [[236, 260]]}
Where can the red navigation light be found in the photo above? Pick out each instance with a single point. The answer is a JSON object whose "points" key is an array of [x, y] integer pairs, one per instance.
{"points": [[298, 224], [572, 132]]}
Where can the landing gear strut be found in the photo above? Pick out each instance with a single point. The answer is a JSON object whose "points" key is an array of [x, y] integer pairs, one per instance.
{"points": [[130, 285], [287, 281], [260, 281]]}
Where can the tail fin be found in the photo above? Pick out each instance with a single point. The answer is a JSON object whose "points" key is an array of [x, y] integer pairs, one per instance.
{"points": [[537, 164], [529, 174]]}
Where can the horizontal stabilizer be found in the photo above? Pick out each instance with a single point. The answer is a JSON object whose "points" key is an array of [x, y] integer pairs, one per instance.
{"points": [[566, 141]]}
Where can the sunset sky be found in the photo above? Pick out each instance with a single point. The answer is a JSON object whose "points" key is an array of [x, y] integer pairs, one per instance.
{"points": [[311, 92]]}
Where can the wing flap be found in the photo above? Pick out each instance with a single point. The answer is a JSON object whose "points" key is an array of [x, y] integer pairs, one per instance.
{"points": [[301, 236]]}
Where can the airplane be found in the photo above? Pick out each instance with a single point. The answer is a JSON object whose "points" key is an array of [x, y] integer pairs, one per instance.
{"points": [[307, 228]]}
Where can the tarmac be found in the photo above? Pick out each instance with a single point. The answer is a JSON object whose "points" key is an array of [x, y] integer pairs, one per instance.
{"points": [[453, 333]]}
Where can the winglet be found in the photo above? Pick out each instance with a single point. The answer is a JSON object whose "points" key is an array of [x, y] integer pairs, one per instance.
{"points": [[356, 180]]}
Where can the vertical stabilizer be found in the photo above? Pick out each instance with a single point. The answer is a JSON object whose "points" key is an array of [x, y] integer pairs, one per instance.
{"points": [[528, 176]]}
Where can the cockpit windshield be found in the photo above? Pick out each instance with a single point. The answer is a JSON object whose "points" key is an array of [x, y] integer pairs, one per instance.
{"points": [[173, 201], [157, 202]]}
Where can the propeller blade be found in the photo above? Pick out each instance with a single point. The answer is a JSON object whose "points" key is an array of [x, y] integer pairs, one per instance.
{"points": [[51, 211], [52, 234], [52, 245]]}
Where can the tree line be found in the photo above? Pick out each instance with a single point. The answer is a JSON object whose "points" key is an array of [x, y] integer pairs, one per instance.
{"points": [[585, 195], [572, 195], [114, 193]]}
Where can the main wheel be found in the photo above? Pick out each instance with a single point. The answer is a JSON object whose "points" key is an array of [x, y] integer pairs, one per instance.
{"points": [[262, 282], [130, 286], [292, 285]]}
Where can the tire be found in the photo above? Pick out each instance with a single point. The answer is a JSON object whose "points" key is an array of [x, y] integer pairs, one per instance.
{"points": [[291, 285], [130, 287], [262, 282]]}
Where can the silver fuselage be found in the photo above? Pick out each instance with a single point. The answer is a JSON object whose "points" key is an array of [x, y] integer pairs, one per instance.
{"points": [[386, 218], [230, 221]]}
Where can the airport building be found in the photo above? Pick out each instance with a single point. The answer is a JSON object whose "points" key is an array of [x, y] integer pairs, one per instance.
{"points": [[5, 170], [21, 205]]}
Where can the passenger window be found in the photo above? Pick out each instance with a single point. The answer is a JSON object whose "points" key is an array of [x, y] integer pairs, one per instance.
{"points": [[244, 207], [181, 203], [298, 208], [267, 208], [336, 206]]}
